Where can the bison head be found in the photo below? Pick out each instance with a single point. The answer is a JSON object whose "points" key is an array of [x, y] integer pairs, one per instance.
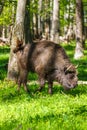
{"points": [[68, 77]]}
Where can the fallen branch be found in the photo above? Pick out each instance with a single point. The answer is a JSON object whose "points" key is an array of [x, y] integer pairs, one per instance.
{"points": [[56, 83], [82, 82]]}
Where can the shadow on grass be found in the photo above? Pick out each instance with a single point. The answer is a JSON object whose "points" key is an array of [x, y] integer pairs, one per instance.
{"points": [[3, 62], [81, 89], [4, 49], [82, 75], [3, 70], [58, 89], [10, 93], [3, 73], [81, 110], [10, 125]]}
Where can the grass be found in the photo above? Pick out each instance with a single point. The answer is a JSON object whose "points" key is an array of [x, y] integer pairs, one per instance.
{"points": [[40, 111]]}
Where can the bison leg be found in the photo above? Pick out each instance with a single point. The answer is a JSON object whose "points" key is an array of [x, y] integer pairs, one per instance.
{"points": [[42, 83], [25, 86], [23, 80], [50, 85], [19, 83]]}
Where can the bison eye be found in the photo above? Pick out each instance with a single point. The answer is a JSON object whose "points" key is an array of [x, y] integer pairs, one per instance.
{"points": [[70, 75], [69, 72]]}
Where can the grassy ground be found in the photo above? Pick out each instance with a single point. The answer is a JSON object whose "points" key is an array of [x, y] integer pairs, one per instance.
{"points": [[40, 111]]}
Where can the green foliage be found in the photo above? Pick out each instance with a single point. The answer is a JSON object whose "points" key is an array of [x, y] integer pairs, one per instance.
{"points": [[33, 8], [67, 8], [40, 111], [5, 18], [6, 14], [4, 54]]}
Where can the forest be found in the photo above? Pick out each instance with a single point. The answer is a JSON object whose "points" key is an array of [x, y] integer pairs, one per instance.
{"points": [[25, 22]]}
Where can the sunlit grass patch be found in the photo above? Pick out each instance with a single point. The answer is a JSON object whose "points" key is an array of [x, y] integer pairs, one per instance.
{"points": [[64, 110], [41, 111]]}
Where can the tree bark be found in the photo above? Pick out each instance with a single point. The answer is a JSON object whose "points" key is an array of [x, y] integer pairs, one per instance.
{"points": [[17, 33], [39, 17], [79, 30], [55, 22], [27, 25]]}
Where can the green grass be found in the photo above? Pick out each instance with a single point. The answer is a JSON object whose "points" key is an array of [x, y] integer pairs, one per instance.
{"points": [[40, 111]]}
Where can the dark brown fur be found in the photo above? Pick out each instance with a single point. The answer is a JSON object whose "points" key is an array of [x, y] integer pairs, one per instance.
{"points": [[49, 61]]}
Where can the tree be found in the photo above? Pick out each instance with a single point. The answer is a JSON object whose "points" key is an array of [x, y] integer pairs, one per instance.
{"points": [[6, 16], [1, 6], [79, 30], [39, 17], [27, 24], [17, 33], [55, 23]]}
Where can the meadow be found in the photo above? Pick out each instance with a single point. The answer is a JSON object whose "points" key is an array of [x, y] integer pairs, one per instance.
{"points": [[40, 111]]}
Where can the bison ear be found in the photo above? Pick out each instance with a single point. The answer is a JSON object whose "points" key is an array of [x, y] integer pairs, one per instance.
{"points": [[76, 66]]}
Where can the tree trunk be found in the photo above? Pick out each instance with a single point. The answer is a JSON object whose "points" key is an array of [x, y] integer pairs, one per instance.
{"points": [[55, 22], [17, 33], [79, 30], [39, 18], [3, 32], [69, 18], [27, 27]]}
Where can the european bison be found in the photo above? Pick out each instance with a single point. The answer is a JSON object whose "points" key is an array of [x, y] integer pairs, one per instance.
{"points": [[49, 61]]}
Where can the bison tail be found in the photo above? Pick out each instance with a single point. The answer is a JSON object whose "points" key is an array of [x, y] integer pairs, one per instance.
{"points": [[15, 50], [19, 46]]}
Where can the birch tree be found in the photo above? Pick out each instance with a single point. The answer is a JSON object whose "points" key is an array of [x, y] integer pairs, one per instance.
{"points": [[79, 30], [17, 33], [55, 22]]}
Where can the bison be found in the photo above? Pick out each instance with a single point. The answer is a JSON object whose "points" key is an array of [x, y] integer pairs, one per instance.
{"points": [[49, 60]]}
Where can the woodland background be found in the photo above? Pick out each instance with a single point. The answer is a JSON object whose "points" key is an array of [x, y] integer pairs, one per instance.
{"points": [[39, 18], [33, 21]]}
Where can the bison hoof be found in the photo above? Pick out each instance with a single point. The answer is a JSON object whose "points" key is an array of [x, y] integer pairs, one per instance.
{"points": [[50, 91], [18, 89], [27, 90]]}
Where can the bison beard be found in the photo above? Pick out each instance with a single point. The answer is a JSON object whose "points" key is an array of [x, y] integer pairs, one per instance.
{"points": [[49, 61]]}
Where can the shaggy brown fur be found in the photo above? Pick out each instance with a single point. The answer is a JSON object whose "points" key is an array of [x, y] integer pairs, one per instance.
{"points": [[49, 61]]}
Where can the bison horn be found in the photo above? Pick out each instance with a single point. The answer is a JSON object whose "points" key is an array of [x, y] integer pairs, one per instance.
{"points": [[68, 68], [76, 66]]}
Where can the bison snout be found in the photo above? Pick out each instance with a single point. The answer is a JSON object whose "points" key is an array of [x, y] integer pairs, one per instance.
{"points": [[69, 86]]}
